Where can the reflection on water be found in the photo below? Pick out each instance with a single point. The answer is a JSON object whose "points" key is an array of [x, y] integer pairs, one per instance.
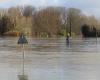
{"points": [[51, 59]]}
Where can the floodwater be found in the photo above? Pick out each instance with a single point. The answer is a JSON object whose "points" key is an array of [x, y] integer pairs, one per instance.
{"points": [[51, 59]]}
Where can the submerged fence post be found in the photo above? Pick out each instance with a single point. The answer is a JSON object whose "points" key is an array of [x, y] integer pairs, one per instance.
{"points": [[22, 40]]}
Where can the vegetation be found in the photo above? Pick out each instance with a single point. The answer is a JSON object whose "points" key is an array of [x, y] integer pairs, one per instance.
{"points": [[6, 25], [89, 31], [45, 22]]}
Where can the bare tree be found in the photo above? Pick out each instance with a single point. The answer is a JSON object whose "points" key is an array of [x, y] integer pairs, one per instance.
{"points": [[73, 20], [28, 11], [47, 21]]}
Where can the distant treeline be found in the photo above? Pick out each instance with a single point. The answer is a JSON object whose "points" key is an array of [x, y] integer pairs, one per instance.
{"points": [[44, 22]]}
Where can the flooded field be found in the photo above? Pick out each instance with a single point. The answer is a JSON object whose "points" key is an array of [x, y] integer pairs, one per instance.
{"points": [[51, 59]]}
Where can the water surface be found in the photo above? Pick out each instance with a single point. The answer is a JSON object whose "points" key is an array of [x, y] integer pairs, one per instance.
{"points": [[51, 59]]}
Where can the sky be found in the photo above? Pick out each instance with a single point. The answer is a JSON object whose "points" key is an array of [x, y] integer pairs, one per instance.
{"points": [[89, 7]]}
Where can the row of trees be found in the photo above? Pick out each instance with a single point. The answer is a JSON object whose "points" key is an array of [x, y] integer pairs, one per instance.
{"points": [[45, 22]]}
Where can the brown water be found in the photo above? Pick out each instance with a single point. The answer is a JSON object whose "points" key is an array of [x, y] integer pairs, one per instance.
{"points": [[51, 59]]}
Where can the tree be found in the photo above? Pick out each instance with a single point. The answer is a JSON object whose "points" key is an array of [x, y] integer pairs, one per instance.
{"points": [[85, 30], [88, 31], [28, 11], [74, 20], [64, 18], [47, 22], [92, 21], [6, 25]]}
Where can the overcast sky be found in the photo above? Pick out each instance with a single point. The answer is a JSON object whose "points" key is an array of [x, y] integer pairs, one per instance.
{"points": [[91, 7]]}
